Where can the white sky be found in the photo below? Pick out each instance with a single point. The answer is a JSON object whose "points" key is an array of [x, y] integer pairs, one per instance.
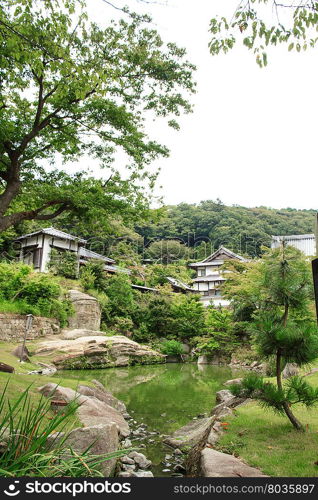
{"points": [[252, 139]]}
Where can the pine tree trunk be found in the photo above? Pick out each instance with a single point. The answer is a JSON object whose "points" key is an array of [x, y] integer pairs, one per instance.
{"points": [[287, 409]]}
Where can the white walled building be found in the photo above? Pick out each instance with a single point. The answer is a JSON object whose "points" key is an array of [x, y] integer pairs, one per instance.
{"points": [[210, 277], [36, 249], [304, 242]]}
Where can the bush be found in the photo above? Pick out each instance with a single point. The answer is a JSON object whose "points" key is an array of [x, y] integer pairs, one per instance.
{"points": [[188, 314], [64, 263], [31, 293], [171, 348]]}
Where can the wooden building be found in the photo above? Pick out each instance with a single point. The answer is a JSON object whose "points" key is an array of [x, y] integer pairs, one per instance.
{"points": [[210, 276]]}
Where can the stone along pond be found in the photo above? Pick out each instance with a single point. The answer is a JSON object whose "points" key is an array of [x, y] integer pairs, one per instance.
{"points": [[163, 397]]}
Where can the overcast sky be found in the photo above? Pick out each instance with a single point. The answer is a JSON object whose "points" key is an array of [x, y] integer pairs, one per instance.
{"points": [[252, 139]]}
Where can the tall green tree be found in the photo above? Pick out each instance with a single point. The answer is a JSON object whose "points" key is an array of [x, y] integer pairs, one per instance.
{"points": [[72, 88], [281, 286]]}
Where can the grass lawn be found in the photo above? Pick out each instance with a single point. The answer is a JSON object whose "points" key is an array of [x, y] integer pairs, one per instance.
{"points": [[269, 442], [20, 381]]}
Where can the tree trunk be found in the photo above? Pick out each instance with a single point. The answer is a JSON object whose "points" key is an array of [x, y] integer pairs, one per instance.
{"points": [[286, 407]]}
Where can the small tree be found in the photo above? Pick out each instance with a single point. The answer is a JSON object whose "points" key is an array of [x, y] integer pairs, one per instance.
{"points": [[284, 286]]}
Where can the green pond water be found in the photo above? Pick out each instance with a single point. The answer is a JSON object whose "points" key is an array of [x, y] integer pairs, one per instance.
{"points": [[164, 397]]}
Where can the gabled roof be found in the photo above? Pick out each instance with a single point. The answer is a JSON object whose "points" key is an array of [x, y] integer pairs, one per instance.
{"points": [[214, 257], [51, 231], [89, 254], [179, 284]]}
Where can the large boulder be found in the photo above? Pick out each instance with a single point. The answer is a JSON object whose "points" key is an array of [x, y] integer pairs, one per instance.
{"points": [[99, 351], [87, 311], [190, 434], [91, 411], [290, 370], [103, 395], [217, 464], [21, 352], [101, 439], [223, 396]]}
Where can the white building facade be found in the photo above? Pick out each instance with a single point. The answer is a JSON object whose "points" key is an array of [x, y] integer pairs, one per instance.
{"points": [[210, 276], [36, 249], [304, 242]]}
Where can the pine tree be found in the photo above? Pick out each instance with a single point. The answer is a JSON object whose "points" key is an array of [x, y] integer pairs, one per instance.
{"points": [[285, 288]]}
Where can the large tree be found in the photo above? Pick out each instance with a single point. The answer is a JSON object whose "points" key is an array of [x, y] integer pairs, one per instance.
{"points": [[261, 23], [70, 88]]}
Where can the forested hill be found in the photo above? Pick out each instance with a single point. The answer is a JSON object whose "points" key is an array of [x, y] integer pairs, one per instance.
{"points": [[239, 228]]}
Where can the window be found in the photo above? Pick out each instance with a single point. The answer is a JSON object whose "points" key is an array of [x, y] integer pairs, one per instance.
{"points": [[206, 294], [201, 271]]}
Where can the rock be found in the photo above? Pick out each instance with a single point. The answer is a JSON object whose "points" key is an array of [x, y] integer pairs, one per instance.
{"points": [[290, 370], [126, 444], [99, 351], [166, 470], [142, 473], [104, 396], [125, 474], [87, 311], [203, 360], [47, 370], [77, 333], [91, 411], [217, 464], [168, 457], [223, 396], [177, 452], [233, 381], [128, 467], [179, 468], [186, 348], [6, 368], [140, 460], [215, 433], [127, 460], [254, 364], [190, 434], [103, 438], [21, 352]]}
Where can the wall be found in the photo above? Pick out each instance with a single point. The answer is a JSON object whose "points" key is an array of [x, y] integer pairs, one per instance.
{"points": [[12, 327]]}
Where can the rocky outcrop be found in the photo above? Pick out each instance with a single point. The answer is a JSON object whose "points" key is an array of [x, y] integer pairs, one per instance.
{"points": [[12, 327], [217, 464], [91, 411], [87, 311], [190, 434], [101, 439], [100, 393], [100, 351], [135, 465]]}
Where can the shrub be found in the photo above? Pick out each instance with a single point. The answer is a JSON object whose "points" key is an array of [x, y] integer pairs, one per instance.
{"points": [[171, 348], [188, 314], [63, 263]]}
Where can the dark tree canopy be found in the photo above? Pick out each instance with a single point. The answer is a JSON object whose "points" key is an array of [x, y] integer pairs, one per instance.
{"points": [[72, 88]]}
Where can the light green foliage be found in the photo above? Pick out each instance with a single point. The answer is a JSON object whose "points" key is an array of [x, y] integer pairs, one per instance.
{"points": [[63, 263], [31, 293], [157, 273], [71, 87], [219, 337], [92, 275], [207, 225], [259, 24], [166, 251], [171, 348], [188, 314]]}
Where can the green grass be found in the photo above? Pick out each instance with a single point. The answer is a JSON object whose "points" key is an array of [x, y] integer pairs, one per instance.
{"points": [[268, 441], [20, 381]]}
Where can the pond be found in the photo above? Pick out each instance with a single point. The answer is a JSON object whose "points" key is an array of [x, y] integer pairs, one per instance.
{"points": [[164, 397]]}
